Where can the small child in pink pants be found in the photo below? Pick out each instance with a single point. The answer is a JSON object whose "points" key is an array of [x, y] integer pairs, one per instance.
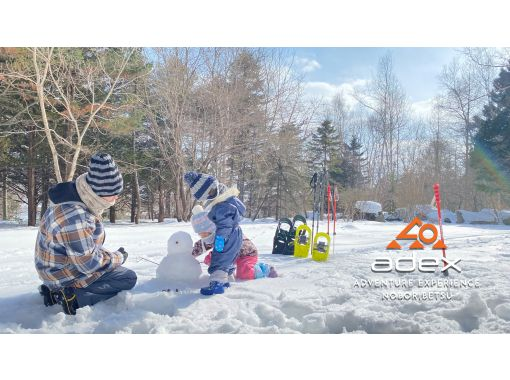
{"points": [[247, 267]]}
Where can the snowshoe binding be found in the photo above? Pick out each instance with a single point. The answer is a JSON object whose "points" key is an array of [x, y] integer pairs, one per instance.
{"points": [[320, 251], [67, 298]]}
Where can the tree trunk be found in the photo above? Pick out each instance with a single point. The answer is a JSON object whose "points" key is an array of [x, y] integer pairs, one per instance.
{"points": [[113, 216], [45, 183], [137, 199], [179, 201], [40, 79], [133, 199], [31, 201], [260, 206], [31, 195], [161, 202], [151, 205], [277, 213], [4, 194]]}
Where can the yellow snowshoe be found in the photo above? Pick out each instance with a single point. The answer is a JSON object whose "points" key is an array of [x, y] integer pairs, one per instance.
{"points": [[302, 241], [320, 251]]}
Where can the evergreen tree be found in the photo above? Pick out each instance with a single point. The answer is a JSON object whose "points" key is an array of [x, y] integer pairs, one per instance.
{"points": [[325, 149], [24, 173], [286, 176], [491, 156], [350, 171], [245, 81]]}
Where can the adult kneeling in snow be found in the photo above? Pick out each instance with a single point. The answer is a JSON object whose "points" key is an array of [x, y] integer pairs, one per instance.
{"points": [[69, 256]]}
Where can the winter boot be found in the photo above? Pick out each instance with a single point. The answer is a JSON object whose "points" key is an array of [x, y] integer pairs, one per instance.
{"points": [[48, 295], [272, 273], [67, 298], [214, 287]]}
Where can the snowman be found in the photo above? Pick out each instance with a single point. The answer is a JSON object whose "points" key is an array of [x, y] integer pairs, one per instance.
{"points": [[179, 265]]}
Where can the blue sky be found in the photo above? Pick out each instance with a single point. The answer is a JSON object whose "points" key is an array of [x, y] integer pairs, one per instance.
{"points": [[329, 69]]}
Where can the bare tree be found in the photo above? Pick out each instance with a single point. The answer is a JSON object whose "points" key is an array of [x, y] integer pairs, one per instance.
{"points": [[385, 98], [463, 96], [75, 91], [169, 98]]}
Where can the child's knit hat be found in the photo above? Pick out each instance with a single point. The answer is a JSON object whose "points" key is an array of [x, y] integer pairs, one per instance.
{"points": [[103, 175], [200, 221], [200, 185]]}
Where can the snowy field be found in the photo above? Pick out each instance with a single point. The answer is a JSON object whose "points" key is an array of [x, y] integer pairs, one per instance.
{"points": [[308, 297]]}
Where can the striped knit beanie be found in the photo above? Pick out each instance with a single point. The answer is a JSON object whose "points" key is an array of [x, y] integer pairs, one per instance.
{"points": [[200, 221], [200, 185], [103, 176]]}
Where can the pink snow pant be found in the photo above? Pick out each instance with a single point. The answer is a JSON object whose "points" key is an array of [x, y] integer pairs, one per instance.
{"points": [[245, 266]]}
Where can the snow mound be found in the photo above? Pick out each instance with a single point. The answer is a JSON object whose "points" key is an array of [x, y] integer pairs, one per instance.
{"points": [[428, 212], [179, 265], [180, 269], [503, 311], [368, 207], [448, 216], [485, 216], [504, 216], [470, 314]]}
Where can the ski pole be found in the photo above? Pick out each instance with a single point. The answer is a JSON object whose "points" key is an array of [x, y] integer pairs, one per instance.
{"points": [[313, 185], [335, 195], [440, 220], [320, 198], [329, 201]]}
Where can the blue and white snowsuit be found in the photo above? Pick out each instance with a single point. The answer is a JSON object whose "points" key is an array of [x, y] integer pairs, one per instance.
{"points": [[226, 216]]}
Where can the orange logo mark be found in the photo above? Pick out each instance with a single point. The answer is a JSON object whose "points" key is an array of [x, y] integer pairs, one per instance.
{"points": [[420, 240]]}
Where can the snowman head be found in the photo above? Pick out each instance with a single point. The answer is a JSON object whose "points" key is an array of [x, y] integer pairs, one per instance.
{"points": [[180, 243]]}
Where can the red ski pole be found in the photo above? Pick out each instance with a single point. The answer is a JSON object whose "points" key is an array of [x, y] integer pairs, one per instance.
{"points": [[334, 208], [329, 201], [440, 220]]}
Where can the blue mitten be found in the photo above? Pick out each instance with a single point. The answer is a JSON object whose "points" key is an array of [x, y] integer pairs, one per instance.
{"points": [[219, 243]]}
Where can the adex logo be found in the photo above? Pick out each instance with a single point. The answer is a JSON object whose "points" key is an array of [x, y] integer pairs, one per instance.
{"points": [[420, 240]]}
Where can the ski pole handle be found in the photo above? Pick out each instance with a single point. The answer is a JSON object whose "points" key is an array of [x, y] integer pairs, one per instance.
{"points": [[436, 192], [437, 195]]}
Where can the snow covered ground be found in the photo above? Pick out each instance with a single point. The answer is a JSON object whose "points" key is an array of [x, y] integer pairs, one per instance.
{"points": [[308, 297]]}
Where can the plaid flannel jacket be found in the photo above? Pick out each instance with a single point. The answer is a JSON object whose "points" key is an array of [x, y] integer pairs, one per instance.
{"points": [[69, 249]]}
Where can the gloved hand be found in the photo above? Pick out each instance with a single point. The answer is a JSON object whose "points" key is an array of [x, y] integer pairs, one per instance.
{"points": [[124, 253], [219, 243]]}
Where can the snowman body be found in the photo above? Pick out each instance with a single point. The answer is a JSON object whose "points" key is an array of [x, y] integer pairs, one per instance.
{"points": [[179, 265]]}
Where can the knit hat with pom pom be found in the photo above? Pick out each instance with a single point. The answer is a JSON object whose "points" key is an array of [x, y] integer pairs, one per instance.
{"points": [[200, 221]]}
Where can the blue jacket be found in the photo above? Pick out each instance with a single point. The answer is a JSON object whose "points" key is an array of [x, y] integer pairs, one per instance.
{"points": [[226, 216]]}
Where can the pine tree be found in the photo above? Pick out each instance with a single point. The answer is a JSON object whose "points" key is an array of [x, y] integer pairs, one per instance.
{"points": [[350, 171], [285, 176], [491, 156], [245, 81], [325, 148]]}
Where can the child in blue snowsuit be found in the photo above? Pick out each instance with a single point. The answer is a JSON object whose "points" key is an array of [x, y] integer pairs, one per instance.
{"points": [[225, 210]]}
